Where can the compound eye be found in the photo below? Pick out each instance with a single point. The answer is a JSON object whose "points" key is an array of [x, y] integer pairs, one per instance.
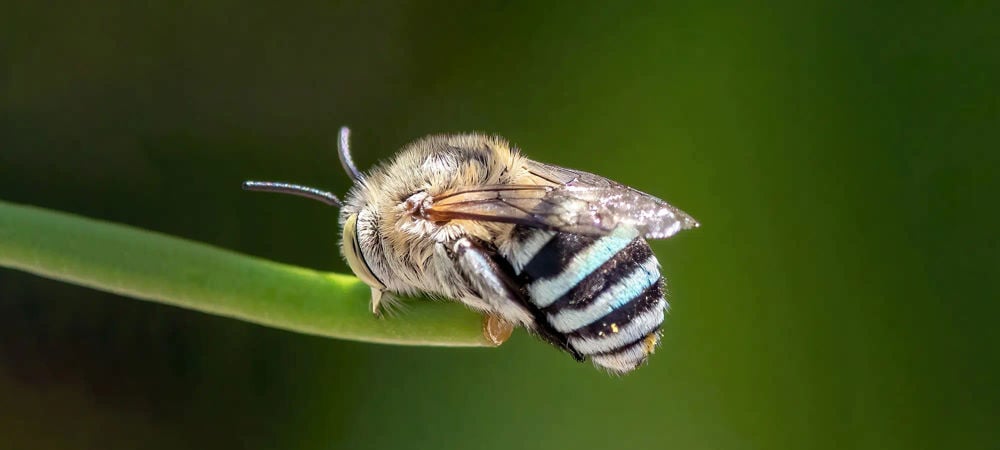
{"points": [[355, 258]]}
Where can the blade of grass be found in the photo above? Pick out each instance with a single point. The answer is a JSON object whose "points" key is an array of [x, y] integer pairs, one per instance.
{"points": [[164, 269]]}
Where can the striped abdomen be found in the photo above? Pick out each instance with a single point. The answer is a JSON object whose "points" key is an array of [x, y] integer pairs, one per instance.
{"points": [[599, 296]]}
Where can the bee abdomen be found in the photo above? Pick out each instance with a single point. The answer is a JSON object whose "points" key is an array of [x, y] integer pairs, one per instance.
{"points": [[604, 295]]}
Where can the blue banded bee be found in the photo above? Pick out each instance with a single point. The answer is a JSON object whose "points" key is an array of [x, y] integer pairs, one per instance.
{"points": [[558, 251]]}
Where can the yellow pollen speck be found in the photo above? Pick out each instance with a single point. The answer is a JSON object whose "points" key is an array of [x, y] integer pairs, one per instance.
{"points": [[650, 342], [614, 328]]}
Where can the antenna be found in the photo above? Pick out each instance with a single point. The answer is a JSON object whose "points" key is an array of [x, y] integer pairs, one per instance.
{"points": [[344, 150], [293, 189]]}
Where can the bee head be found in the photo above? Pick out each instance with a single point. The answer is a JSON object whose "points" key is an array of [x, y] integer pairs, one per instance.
{"points": [[352, 246]]}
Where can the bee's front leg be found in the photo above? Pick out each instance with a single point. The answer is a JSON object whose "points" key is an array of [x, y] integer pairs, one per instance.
{"points": [[376, 301]]}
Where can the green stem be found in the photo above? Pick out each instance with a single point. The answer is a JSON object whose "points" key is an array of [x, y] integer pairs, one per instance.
{"points": [[152, 266]]}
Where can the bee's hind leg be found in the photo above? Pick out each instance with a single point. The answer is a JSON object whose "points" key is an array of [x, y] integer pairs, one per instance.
{"points": [[496, 330]]}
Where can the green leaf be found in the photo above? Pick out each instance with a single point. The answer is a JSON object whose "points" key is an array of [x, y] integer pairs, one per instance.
{"points": [[164, 269]]}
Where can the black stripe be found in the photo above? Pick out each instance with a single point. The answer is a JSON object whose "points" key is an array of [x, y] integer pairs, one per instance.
{"points": [[553, 257], [642, 304], [619, 266], [629, 346]]}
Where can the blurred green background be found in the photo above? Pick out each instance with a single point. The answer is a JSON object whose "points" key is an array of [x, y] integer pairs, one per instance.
{"points": [[841, 158]]}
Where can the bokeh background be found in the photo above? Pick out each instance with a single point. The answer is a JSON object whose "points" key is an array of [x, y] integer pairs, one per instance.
{"points": [[842, 292]]}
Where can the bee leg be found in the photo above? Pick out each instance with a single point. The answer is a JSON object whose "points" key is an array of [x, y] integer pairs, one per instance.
{"points": [[490, 283], [496, 329], [492, 278], [376, 301]]}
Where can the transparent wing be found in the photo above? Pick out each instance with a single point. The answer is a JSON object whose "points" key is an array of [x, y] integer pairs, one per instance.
{"points": [[564, 200]]}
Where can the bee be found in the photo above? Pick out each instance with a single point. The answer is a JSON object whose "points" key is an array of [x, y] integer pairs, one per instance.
{"points": [[560, 252]]}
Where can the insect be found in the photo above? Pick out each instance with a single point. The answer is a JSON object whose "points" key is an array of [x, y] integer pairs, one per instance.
{"points": [[558, 251]]}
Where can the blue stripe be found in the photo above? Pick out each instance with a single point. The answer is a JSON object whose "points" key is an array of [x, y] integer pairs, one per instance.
{"points": [[640, 326], [546, 291], [624, 290]]}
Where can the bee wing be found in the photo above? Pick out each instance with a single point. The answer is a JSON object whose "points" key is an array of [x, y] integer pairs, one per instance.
{"points": [[564, 200]]}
